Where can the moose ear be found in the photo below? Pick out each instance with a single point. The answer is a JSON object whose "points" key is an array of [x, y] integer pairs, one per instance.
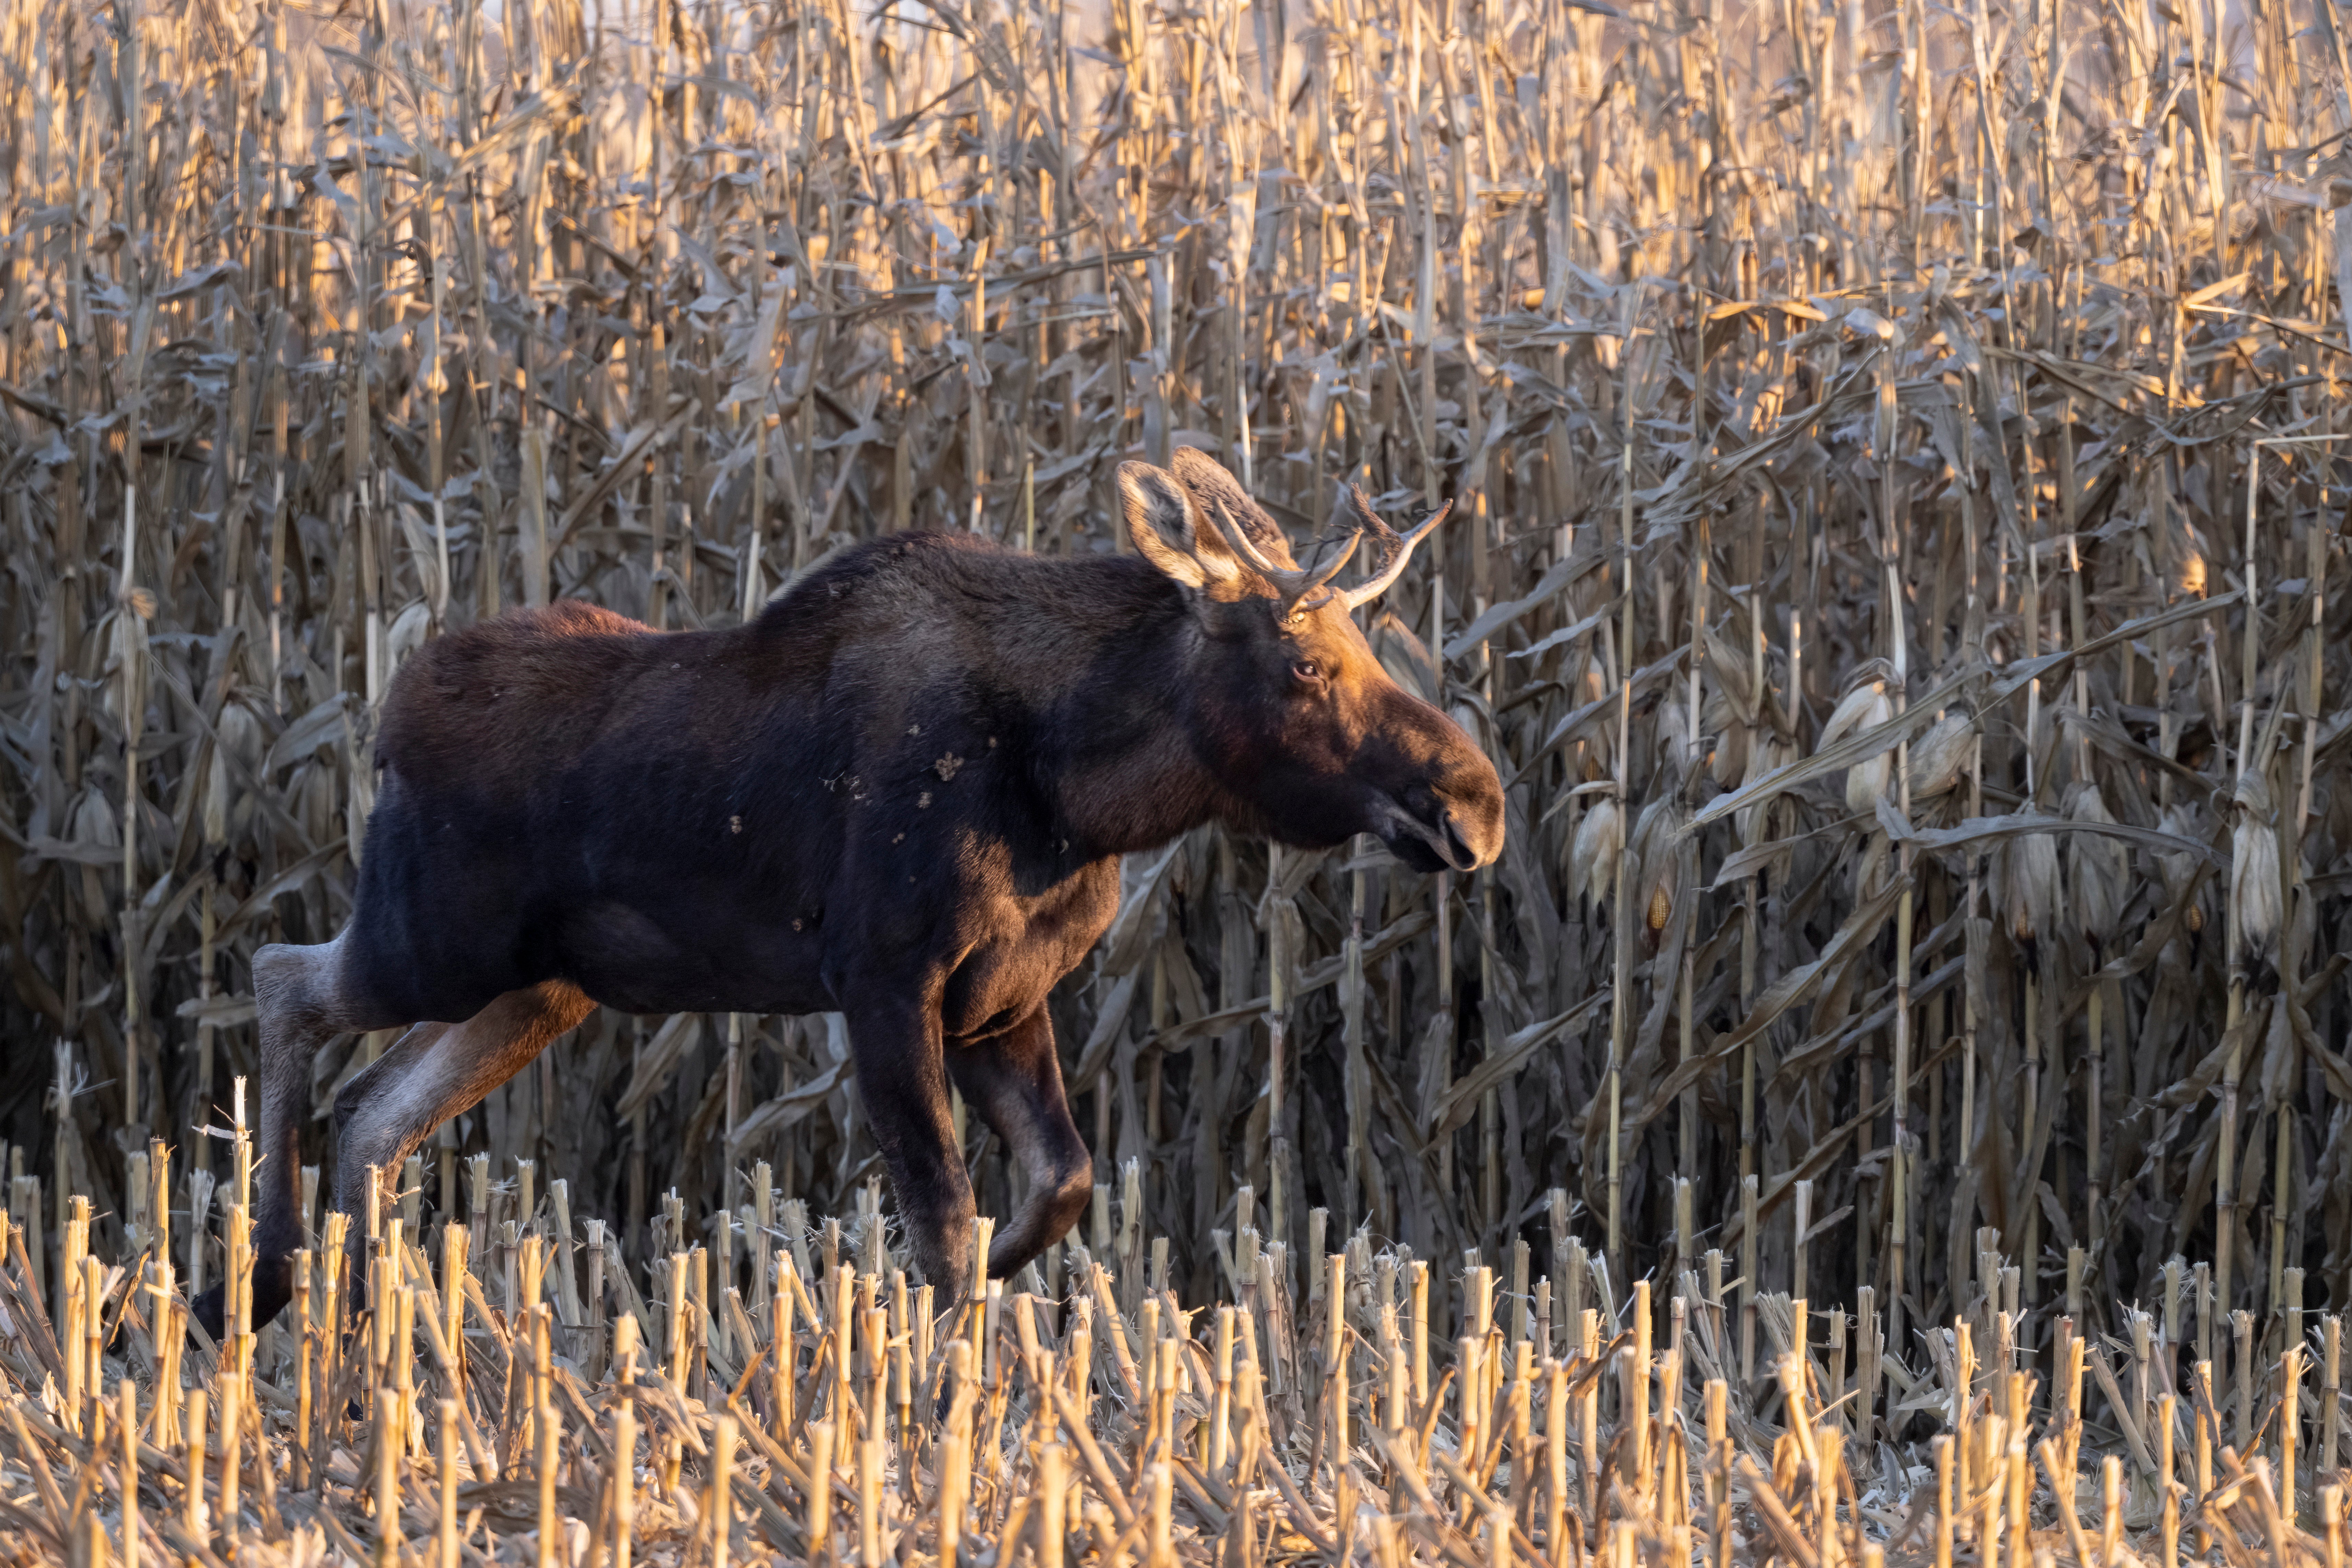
{"points": [[1170, 531]]}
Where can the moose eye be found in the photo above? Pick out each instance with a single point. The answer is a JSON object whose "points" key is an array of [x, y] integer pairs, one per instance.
{"points": [[1307, 670]]}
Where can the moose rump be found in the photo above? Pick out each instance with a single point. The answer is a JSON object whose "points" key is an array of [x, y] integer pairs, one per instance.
{"points": [[564, 794]]}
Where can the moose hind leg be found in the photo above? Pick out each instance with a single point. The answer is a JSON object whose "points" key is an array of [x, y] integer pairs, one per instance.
{"points": [[304, 997], [1014, 1080], [437, 1071]]}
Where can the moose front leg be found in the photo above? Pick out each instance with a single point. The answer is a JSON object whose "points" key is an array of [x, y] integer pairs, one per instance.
{"points": [[1014, 1080], [901, 1079]]}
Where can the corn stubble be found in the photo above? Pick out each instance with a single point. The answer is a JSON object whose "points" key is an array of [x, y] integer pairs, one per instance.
{"points": [[809, 1404], [1888, 1100]]}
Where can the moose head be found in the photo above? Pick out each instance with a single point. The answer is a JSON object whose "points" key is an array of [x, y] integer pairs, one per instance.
{"points": [[1285, 704]]}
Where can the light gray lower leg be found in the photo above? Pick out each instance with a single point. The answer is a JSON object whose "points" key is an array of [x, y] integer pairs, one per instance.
{"points": [[302, 1002]]}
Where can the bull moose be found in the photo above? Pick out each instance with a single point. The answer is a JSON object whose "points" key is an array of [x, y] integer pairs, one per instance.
{"points": [[901, 792]]}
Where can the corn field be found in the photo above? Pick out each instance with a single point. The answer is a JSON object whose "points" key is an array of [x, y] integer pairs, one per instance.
{"points": [[1896, 488]]}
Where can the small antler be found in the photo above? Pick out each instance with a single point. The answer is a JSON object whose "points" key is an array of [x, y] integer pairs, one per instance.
{"points": [[1395, 549], [1300, 589]]}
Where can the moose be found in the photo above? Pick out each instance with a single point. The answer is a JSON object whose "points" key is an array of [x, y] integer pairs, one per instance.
{"points": [[900, 793]]}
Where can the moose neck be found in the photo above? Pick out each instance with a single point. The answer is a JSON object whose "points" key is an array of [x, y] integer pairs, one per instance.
{"points": [[1104, 650]]}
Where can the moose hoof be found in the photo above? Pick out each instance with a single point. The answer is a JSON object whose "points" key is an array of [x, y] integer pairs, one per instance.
{"points": [[208, 1312]]}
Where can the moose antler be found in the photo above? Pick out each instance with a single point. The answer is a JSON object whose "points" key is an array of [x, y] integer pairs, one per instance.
{"points": [[1301, 589], [1395, 549], [1304, 589]]}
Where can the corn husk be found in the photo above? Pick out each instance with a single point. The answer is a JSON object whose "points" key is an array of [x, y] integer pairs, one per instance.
{"points": [[1727, 668], [2026, 886], [2098, 869], [2175, 869], [2253, 864], [1768, 753], [1592, 863], [1726, 714], [1659, 852], [1866, 705], [236, 754], [1733, 740], [1939, 759], [1674, 737]]}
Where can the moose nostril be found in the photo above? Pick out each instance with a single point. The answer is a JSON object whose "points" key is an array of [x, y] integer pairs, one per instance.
{"points": [[1456, 844]]}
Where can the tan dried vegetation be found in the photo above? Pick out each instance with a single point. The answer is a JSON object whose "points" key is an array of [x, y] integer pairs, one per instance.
{"points": [[1894, 453]]}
